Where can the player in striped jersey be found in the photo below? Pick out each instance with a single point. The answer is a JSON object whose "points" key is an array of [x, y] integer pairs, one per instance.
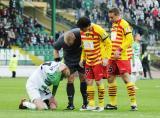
{"points": [[95, 57], [119, 63], [137, 69]]}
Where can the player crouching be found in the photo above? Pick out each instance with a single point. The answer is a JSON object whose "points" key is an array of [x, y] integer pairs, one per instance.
{"points": [[47, 74]]}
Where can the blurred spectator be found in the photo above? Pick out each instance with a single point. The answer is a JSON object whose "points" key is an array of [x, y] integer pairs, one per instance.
{"points": [[95, 15], [51, 40], [141, 12], [2, 43], [27, 40], [155, 12], [157, 22], [20, 6], [2, 31], [16, 29], [33, 40], [12, 36], [42, 39], [87, 13], [117, 3], [7, 43], [12, 4]]}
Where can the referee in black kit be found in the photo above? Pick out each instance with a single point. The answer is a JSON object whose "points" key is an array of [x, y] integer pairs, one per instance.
{"points": [[70, 42]]}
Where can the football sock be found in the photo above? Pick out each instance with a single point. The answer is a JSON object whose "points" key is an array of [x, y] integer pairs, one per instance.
{"points": [[131, 93], [90, 95], [29, 105], [112, 92], [83, 89], [70, 93], [101, 93]]}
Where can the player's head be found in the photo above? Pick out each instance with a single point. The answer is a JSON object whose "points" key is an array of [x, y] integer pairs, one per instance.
{"points": [[56, 72], [114, 14], [84, 23], [69, 38], [137, 37], [64, 69]]}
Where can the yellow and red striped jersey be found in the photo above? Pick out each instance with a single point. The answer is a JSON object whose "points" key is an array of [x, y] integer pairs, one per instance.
{"points": [[93, 45], [122, 38], [129, 52]]}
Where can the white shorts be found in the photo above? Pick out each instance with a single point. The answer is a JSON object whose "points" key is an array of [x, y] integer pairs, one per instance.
{"points": [[34, 88], [137, 66]]}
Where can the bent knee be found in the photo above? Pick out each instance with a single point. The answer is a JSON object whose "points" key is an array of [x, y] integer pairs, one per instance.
{"points": [[82, 79], [70, 79], [111, 80]]}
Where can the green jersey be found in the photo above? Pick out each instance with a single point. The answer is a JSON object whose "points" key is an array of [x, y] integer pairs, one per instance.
{"points": [[136, 50], [52, 75]]}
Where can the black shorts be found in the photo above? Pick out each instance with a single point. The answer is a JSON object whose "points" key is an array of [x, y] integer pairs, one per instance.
{"points": [[76, 68]]}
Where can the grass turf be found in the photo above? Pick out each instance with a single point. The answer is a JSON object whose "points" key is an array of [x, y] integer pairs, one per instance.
{"points": [[148, 96]]}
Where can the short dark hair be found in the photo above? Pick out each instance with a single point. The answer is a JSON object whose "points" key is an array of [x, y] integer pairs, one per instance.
{"points": [[83, 22], [115, 11]]}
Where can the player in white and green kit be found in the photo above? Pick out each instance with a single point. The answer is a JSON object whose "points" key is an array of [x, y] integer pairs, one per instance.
{"points": [[136, 62], [47, 74]]}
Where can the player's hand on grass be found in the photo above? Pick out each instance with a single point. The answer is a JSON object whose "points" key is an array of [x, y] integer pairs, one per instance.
{"points": [[53, 103]]}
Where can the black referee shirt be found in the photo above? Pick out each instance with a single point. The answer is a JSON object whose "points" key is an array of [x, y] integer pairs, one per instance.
{"points": [[71, 53]]}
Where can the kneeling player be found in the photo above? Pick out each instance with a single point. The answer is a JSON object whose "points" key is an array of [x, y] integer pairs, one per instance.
{"points": [[49, 73]]}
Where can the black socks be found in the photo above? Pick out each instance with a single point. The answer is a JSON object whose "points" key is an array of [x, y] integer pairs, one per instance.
{"points": [[70, 93], [83, 88]]}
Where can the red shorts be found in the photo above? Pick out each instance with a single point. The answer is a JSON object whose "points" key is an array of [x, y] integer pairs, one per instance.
{"points": [[94, 72], [119, 67], [106, 75]]}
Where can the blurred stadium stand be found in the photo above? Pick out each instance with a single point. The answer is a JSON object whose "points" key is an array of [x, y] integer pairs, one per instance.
{"points": [[66, 17]]}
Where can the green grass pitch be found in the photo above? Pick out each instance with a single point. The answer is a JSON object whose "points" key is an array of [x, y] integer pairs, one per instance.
{"points": [[148, 98]]}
